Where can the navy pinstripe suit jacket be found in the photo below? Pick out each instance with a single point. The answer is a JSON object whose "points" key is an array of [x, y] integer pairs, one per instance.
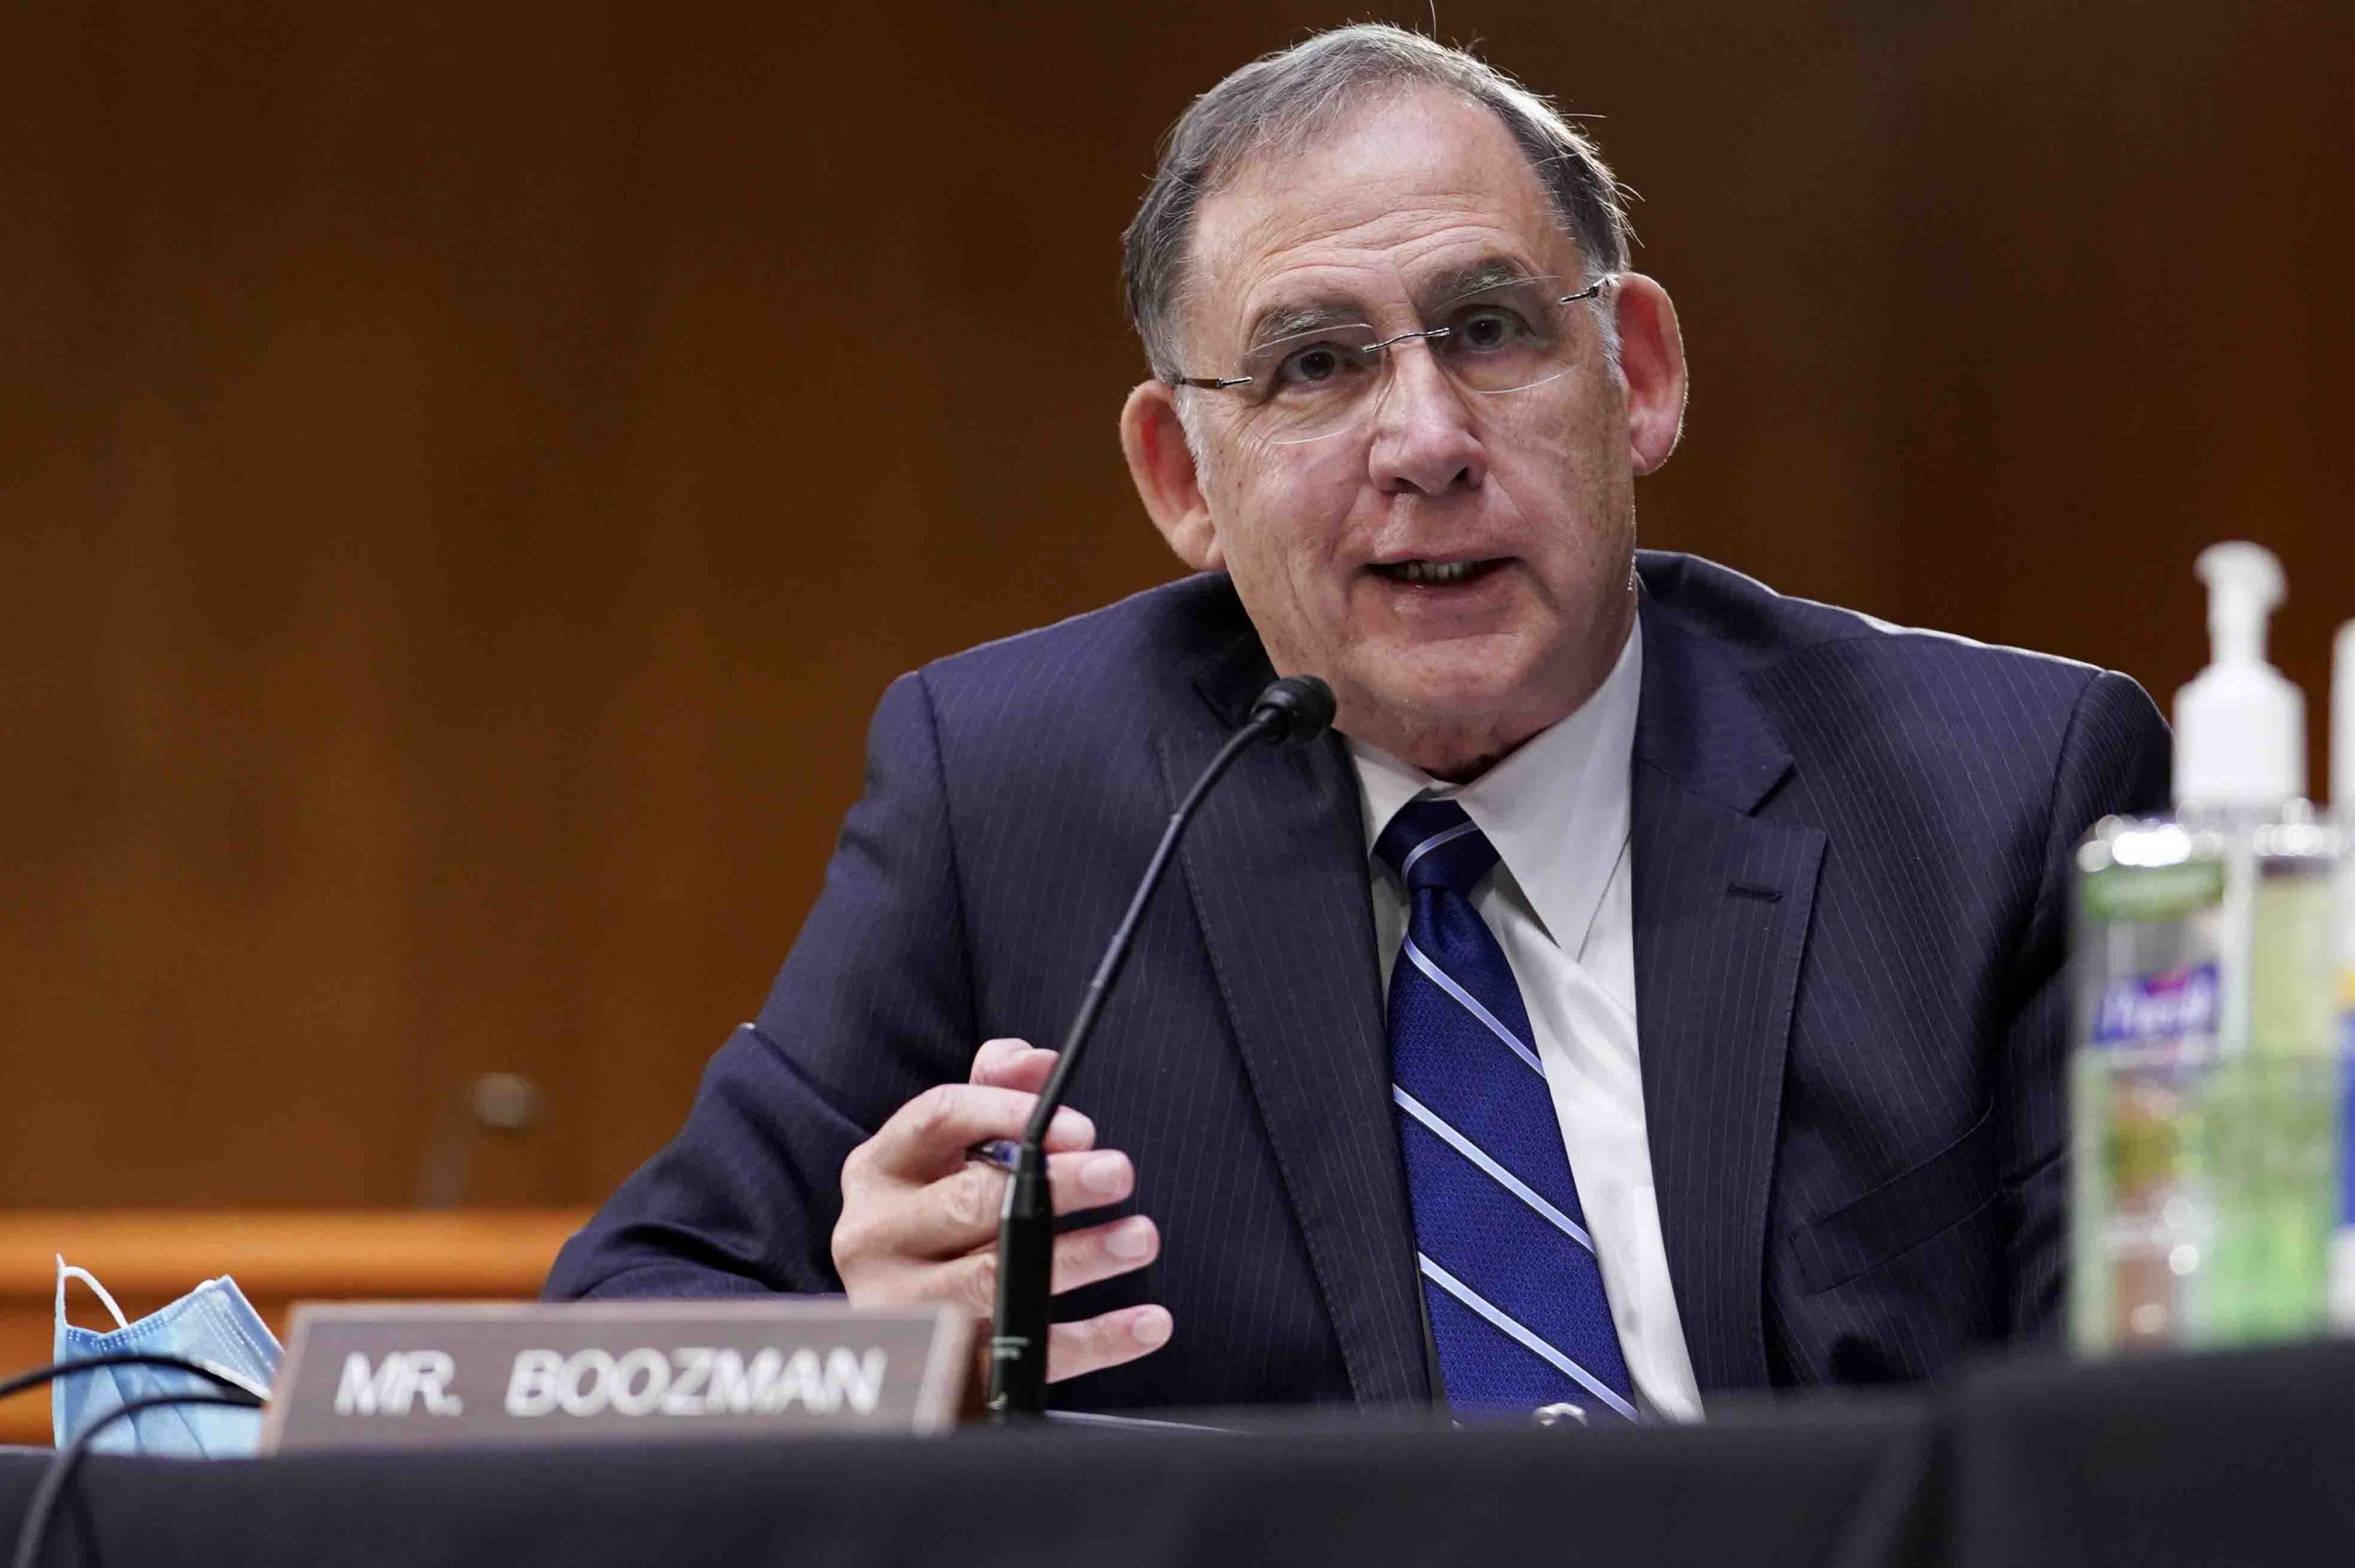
{"points": [[1850, 853]]}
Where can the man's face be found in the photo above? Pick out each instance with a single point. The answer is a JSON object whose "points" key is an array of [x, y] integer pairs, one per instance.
{"points": [[1325, 539]]}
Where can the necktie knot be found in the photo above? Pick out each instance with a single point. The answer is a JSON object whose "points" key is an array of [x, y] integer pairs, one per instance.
{"points": [[1432, 843]]}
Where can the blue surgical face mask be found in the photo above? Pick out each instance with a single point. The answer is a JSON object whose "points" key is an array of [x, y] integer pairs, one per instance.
{"points": [[213, 1324]]}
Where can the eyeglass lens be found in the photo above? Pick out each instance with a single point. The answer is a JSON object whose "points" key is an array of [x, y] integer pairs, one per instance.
{"points": [[1503, 338]]}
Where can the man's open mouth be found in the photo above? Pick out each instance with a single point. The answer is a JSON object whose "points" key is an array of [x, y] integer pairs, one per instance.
{"points": [[1438, 574]]}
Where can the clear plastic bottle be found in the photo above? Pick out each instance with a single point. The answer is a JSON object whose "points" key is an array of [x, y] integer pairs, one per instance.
{"points": [[2273, 1109], [2206, 1082], [2342, 798], [2149, 969]]}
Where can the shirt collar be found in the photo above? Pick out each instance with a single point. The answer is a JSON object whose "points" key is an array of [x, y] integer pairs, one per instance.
{"points": [[1556, 810]]}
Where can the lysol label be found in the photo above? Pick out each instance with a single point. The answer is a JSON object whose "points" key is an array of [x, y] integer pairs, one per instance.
{"points": [[2152, 1009]]}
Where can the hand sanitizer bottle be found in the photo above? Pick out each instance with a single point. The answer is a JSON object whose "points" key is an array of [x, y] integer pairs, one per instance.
{"points": [[2343, 800], [2204, 1138]]}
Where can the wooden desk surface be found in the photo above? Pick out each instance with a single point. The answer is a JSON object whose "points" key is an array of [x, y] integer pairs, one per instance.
{"points": [[147, 1257]]}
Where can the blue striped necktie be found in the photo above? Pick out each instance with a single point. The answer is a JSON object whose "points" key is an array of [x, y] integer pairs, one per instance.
{"points": [[1516, 1299]]}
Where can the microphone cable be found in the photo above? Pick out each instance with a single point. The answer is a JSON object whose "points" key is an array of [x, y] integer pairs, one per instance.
{"points": [[219, 1376], [34, 1533], [235, 1392]]}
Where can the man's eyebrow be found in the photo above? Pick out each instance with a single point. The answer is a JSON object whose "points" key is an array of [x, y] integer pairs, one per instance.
{"points": [[1288, 318], [1471, 278]]}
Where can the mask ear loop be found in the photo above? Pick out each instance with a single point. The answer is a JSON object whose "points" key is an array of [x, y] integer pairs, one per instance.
{"points": [[65, 1271]]}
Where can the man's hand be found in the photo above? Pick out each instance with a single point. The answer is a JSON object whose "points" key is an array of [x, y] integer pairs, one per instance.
{"points": [[920, 1221]]}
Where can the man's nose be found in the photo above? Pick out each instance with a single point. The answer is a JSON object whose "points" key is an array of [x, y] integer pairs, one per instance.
{"points": [[1423, 436]]}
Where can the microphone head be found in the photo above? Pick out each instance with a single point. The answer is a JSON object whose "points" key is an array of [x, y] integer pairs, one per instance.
{"points": [[1295, 709]]}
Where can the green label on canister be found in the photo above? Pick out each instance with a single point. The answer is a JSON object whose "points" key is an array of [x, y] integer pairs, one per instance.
{"points": [[2153, 892]]}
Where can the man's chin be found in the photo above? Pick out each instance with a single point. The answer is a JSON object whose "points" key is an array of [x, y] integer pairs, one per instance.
{"points": [[1402, 712], [1467, 678]]}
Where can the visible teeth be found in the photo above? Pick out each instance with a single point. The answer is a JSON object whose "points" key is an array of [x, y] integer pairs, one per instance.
{"points": [[1433, 571]]}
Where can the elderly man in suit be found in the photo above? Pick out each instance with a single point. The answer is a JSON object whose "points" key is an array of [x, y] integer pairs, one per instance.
{"points": [[1652, 990]]}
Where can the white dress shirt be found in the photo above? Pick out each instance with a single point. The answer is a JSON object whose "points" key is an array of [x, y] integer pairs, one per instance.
{"points": [[1558, 903]]}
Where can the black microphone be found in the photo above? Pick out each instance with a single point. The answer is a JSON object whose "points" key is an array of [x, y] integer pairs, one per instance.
{"points": [[1295, 709]]}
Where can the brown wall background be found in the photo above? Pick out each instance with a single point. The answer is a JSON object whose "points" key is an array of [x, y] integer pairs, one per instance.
{"points": [[465, 478]]}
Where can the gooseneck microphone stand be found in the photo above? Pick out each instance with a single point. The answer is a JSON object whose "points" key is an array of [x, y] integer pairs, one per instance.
{"points": [[1295, 709]]}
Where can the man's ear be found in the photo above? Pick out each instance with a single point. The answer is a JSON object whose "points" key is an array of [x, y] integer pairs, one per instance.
{"points": [[1166, 479], [1651, 356]]}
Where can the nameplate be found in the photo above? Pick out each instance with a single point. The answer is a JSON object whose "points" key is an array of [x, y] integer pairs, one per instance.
{"points": [[418, 1375]]}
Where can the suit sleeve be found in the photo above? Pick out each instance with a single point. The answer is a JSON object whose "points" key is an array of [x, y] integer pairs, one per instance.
{"points": [[2114, 760], [873, 1006]]}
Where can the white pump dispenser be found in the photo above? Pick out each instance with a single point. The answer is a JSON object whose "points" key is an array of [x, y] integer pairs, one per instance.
{"points": [[2240, 726]]}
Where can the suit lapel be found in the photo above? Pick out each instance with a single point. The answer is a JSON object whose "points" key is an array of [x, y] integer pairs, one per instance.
{"points": [[1722, 905], [1276, 866]]}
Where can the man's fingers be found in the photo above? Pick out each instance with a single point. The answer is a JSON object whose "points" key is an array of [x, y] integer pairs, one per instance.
{"points": [[1108, 1341], [1093, 1178], [927, 1137], [960, 1212], [1012, 1064], [1082, 1258], [1105, 1252]]}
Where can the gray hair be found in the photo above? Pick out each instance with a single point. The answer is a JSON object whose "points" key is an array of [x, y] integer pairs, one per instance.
{"points": [[1279, 101]]}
